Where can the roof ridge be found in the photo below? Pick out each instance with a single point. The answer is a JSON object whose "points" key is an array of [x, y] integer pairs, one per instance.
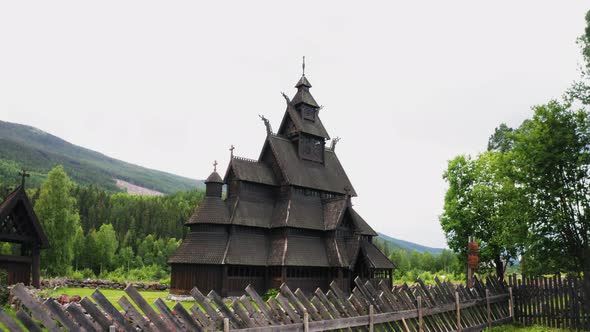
{"points": [[250, 160]]}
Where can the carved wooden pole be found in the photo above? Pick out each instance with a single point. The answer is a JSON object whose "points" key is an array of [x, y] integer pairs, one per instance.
{"points": [[489, 309], [36, 266]]}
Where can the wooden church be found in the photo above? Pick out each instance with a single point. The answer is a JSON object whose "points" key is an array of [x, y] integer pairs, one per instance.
{"points": [[287, 218]]}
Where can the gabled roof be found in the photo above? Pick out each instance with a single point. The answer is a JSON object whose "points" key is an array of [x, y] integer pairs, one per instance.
{"points": [[361, 224], [251, 171], [336, 209], [315, 128], [329, 177], [212, 210], [304, 96], [19, 196], [375, 257]]}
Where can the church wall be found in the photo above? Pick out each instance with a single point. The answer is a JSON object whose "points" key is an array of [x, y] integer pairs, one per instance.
{"points": [[187, 276]]}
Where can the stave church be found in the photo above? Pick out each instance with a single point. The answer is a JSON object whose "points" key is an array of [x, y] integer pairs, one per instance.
{"points": [[287, 217]]}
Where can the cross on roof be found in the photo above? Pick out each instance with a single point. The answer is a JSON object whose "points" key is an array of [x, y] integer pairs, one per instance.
{"points": [[24, 174], [215, 166], [303, 65], [232, 150]]}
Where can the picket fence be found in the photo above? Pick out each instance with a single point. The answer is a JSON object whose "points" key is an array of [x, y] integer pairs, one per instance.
{"points": [[558, 302], [442, 307]]}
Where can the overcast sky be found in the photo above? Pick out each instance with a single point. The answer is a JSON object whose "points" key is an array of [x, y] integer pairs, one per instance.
{"points": [[408, 85]]}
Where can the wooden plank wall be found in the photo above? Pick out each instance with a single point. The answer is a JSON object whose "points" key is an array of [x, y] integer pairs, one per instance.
{"points": [[557, 301], [442, 307]]}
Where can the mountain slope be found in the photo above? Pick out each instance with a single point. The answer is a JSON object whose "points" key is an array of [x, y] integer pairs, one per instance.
{"points": [[409, 246], [28, 147]]}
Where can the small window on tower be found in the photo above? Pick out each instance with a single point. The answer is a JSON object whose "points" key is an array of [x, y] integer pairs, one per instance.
{"points": [[308, 113]]}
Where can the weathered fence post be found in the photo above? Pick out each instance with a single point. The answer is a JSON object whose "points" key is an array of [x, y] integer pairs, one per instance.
{"points": [[420, 321], [112, 328], [371, 309], [306, 322], [511, 304], [226, 325], [489, 309], [458, 303]]}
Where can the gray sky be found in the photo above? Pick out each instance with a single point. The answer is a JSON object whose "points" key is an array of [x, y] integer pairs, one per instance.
{"points": [[406, 84]]}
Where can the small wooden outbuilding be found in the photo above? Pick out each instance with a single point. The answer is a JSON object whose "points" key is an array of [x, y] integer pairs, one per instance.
{"points": [[19, 225]]}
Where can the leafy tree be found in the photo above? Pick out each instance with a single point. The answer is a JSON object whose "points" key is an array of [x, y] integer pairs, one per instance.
{"points": [[56, 209], [106, 245], [484, 202], [580, 90], [552, 163]]}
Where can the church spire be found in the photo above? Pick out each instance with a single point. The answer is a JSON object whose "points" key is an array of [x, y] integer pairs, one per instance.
{"points": [[303, 95]]}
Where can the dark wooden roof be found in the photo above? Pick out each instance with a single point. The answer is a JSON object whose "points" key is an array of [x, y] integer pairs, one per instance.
{"points": [[299, 212], [214, 178], [201, 248], [375, 257], [304, 96], [329, 177], [247, 248], [251, 171], [303, 82], [361, 224], [315, 128], [295, 250], [16, 198], [252, 212], [212, 210]]}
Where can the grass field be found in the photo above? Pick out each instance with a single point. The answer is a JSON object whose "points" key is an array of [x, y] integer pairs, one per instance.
{"points": [[114, 295], [513, 328]]}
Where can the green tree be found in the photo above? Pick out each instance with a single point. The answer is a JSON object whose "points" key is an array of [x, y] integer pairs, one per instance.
{"points": [[106, 246], [580, 90], [483, 201], [552, 163], [56, 209]]}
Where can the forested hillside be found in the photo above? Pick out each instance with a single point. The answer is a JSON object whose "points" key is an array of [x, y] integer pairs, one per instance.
{"points": [[119, 235], [28, 147]]}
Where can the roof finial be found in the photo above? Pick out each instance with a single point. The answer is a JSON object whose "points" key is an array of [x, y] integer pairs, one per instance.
{"points": [[24, 174], [215, 166], [266, 124], [231, 150], [303, 65]]}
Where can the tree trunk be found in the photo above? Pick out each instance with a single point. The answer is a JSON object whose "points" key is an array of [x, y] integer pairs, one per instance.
{"points": [[499, 268]]}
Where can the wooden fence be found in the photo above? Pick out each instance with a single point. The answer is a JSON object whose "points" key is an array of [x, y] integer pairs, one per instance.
{"points": [[442, 307], [560, 302]]}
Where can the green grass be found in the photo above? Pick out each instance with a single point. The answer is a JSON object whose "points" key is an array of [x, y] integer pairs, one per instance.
{"points": [[114, 295], [515, 328]]}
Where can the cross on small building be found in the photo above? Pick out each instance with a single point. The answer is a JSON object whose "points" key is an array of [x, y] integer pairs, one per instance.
{"points": [[24, 174], [215, 166], [231, 150]]}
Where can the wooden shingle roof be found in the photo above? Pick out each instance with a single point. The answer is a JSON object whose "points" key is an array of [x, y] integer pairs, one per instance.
{"points": [[315, 128], [212, 210], [247, 248], [375, 257], [329, 177], [251, 171], [201, 248]]}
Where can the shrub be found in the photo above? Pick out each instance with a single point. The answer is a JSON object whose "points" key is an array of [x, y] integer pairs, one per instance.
{"points": [[270, 293]]}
